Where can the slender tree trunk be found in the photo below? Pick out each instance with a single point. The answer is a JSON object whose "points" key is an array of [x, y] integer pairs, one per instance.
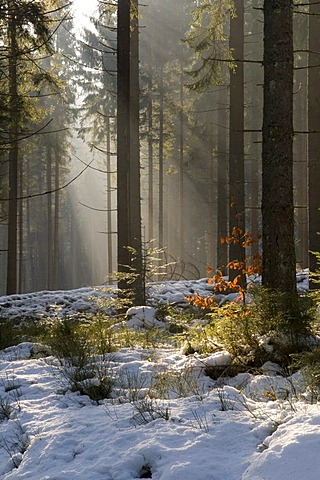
{"points": [[49, 215], [279, 260], [211, 212], [135, 173], [28, 244], [300, 170], [128, 158], [56, 233], [171, 198], [21, 232], [3, 228], [181, 174], [150, 158], [109, 202], [13, 154], [314, 136], [254, 181], [222, 227], [161, 156], [123, 136], [254, 80], [236, 146]]}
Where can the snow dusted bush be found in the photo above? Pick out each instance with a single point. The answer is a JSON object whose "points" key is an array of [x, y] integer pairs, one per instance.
{"points": [[77, 349]]}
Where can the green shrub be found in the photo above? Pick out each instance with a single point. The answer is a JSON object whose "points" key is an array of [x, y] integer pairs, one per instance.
{"points": [[101, 333], [150, 409], [188, 328], [8, 334], [171, 383], [309, 363], [68, 340], [13, 332], [81, 349], [257, 332]]}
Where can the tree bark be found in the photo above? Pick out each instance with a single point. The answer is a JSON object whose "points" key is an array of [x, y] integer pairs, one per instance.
{"points": [[13, 153], [211, 240], [123, 136], [181, 174], [128, 149], [150, 158], [21, 231], [236, 146], [56, 227], [222, 227], [279, 260], [161, 157], [135, 173], [49, 214], [109, 202], [313, 137]]}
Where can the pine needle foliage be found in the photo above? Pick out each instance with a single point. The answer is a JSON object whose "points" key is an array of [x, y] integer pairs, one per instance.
{"points": [[208, 40]]}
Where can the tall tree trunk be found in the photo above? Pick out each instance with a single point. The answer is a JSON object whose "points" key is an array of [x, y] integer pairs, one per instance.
{"points": [[28, 243], [123, 137], [150, 158], [300, 167], [254, 80], [181, 174], [21, 232], [49, 214], [236, 146], [13, 154], [161, 156], [56, 226], [314, 136], [279, 260], [254, 169], [109, 202], [211, 211], [135, 173], [222, 227], [128, 159], [4, 168]]}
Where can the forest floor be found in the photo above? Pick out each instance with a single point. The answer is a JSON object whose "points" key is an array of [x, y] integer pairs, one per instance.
{"points": [[165, 419]]}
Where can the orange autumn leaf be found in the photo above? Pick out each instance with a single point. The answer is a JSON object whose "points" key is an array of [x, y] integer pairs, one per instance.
{"points": [[236, 231]]}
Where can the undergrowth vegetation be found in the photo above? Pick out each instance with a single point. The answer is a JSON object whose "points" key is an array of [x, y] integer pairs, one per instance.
{"points": [[251, 330]]}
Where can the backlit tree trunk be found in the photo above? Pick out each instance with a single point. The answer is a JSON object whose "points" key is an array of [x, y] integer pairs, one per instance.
{"points": [[135, 173], [150, 156], [123, 135], [13, 153], [236, 146], [128, 160], [56, 226], [279, 261], [314, 135], [109, 201], [161, 156], [49, 214], [222, 254], [181, 174]]}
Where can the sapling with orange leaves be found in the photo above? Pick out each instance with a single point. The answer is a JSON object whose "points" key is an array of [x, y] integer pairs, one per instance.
{"points": [[247, 266]]}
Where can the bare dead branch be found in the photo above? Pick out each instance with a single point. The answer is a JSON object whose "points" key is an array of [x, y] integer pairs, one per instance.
{"points": [[49, 192]]}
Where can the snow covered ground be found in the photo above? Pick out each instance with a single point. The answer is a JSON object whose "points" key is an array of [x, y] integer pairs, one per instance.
{"points": [[251, 427], [68, 302]]}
